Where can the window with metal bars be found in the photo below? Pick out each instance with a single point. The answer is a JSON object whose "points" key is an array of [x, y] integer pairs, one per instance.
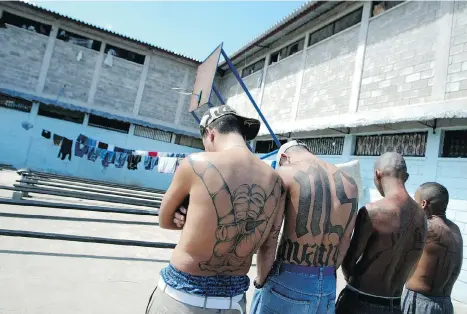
{"points": [[407, 144], [154, 134], [15, 103], [189, 141], [59, 113], [108, 124], [253, 68], [325, 145], [264, 147], [335, 27], [455, 144]]}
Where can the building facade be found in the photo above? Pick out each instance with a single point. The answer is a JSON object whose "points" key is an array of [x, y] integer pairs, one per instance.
{"points": [[70, 78], [357, 79]]}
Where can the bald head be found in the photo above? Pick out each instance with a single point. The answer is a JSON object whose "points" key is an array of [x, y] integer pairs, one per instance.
{"points": [[435, 195], [392, 164]]}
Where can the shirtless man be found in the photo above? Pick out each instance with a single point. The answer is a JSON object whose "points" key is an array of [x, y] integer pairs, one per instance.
{"points": [[429, 289], [387, 242], [236, 205], [321, 207]]}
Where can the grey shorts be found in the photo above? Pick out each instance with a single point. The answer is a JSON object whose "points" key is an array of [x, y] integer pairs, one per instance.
{"points": [[161, 303], [414, 303]]}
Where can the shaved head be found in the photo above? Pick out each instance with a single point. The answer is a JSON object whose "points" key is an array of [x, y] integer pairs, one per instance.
{"points": [[435, 195], [392, 164]]}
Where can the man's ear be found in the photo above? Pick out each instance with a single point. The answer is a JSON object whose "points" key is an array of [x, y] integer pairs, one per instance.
{"points": [[378, 174], [424, 205], [406, 177]]}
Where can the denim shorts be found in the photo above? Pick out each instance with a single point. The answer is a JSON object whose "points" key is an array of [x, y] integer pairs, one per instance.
{"points": [[294, 289]]}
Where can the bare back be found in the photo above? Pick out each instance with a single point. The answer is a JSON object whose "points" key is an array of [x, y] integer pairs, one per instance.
{"points": [[392, 232], [234, 199], [441, 261], [321, 207]]}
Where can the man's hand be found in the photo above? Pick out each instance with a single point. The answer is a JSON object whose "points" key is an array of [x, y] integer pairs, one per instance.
{"points": [[179, 217]]}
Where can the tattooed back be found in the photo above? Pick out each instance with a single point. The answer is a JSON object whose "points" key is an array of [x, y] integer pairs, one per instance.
{"points": [[320, 214], [391, 235], [441, 261], [234, 198]]}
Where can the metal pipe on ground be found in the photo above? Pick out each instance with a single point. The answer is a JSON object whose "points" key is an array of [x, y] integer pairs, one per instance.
{"points": [[73, 238], [129, 211], [83, 189], [87, 196], [27, 172]]}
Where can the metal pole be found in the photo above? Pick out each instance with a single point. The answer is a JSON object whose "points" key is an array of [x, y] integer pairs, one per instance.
{"points": [[195, 116], [218, 94], [270, 154], [239, 79]]}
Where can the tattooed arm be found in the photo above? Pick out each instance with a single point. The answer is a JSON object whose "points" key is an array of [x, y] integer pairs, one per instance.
{"points": [[267, 251], [362, 233], [173, 198]]}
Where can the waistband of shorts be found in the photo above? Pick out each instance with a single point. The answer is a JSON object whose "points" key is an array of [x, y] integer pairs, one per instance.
{"points": [[373, 299], [307, 270], [420, 295], [212, 286]]}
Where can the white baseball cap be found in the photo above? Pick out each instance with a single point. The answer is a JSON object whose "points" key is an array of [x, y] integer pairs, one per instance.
{"points": [[286, 146]]}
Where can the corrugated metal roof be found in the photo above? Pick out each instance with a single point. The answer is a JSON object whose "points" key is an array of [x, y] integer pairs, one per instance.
{"points": [[56, 14]]}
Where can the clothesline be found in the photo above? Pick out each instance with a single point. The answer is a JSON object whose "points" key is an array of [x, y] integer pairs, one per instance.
{"points": [[86, 147]]}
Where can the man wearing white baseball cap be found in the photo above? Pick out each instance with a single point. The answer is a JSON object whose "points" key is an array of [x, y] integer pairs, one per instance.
{"points": [[236, 208], [320, 215]]}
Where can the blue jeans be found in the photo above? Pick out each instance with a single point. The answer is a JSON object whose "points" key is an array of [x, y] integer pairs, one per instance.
{"points": [[293, 289]]}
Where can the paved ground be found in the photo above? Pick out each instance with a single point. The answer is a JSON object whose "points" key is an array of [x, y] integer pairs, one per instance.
{"points": [[57, 277]]}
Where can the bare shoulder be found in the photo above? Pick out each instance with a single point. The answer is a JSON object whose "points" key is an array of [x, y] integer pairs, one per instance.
{"points": [[286, 173], [382, 214]]}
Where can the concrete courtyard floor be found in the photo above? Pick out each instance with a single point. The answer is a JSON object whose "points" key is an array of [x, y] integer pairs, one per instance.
{"points": [[51, 277]]}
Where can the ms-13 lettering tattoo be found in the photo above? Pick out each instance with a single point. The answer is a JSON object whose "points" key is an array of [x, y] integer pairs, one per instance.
{"points": [[243, 214], [318, 192]]}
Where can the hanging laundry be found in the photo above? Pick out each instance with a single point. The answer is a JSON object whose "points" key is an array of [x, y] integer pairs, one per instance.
{"points": [[103, 154], [167, 164], [92, 142], [133, 161], [150, 162], [57, 139], [46, 134], [102, 145], [94, 153], [65, 149], [120, 159], [111, 148], [81, 146], [109, 158], [152, 154], [141, 152]]}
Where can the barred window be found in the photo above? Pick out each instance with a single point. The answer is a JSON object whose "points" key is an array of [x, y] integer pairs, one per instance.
{"points": [[59, 113], [455, 144], [108, 124], [407, 144], [15, 103], [189, 141], [325, 145], [264, 147], [153, 134]]}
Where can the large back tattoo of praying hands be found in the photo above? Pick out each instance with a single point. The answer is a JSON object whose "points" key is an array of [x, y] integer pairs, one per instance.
{"points": [[243, 214]]}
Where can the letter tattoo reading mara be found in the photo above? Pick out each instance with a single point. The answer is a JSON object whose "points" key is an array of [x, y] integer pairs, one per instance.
{"points": [[242, 218]]}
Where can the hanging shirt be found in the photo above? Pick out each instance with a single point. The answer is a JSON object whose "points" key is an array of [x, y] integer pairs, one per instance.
{"points": [[167, 164]]}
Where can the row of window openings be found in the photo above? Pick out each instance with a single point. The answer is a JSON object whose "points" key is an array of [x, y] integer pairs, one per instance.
{"points": [[321, 34], [70, 37], [98, 121], [454, 145]]}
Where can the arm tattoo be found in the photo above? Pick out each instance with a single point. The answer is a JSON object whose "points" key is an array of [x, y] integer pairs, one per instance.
{"points": [[241, 222]]}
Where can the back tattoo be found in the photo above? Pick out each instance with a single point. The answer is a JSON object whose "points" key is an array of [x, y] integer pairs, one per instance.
{"points": [[241, 222], [320, 193]]}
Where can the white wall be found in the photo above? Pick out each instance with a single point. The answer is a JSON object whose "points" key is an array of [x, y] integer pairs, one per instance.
{"points": [[27, 148]]}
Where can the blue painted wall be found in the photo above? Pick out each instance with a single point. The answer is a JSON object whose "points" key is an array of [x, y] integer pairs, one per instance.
{"points": [[27, 148]]}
